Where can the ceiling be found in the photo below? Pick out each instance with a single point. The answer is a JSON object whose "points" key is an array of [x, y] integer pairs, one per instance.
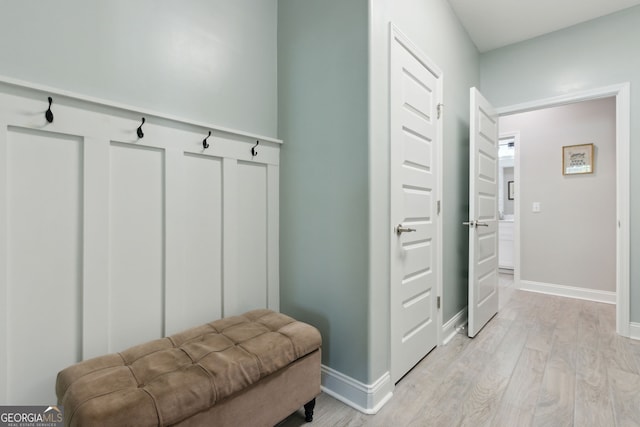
{"points": [[496, 23]]}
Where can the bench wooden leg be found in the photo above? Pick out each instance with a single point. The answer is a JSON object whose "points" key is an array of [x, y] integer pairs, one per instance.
{"points": [[308, 410]]}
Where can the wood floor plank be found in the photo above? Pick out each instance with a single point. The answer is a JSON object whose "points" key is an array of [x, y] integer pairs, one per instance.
{"points": [[618, 353], [542, 361], [444, 356], [633, 347], [511, 415], [489, 337], [555, 405], [328, 412], [606, 317], [567, 316], [541, 337], [588, 325], [520, 397], [486, 392], [454, 388], [625, 391], [417, 390], [592, 402]]}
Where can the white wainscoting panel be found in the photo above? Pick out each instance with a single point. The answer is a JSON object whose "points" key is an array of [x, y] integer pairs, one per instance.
{"points": [[108, 240], [251, 231], [44, 265], [136, 242], [202, 285]]}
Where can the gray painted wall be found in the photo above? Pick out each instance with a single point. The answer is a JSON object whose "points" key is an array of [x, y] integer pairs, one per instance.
{"points": [[322, 98], [572, 240], [333, 116], [211, 61], [590, 55]]}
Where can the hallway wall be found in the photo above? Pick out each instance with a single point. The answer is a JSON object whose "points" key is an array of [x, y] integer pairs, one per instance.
{"points": [[572, 240], [595, 54], [213, 61]]}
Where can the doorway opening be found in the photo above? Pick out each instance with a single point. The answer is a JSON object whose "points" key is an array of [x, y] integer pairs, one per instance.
{"points": [[508, 143], [621, 94]]}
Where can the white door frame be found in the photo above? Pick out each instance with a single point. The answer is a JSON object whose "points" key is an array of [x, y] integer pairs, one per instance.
{"points": [[621, 92], [516, 203]]}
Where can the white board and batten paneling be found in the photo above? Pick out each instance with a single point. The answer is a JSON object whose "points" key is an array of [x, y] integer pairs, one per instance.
{"points": [[108, 240]]}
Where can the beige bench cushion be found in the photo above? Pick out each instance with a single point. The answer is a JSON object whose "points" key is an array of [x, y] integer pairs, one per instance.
{"points": [[167, 380]]}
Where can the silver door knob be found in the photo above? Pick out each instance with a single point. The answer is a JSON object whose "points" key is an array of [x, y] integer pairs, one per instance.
{"points": [[400, 229], [471, 223]]}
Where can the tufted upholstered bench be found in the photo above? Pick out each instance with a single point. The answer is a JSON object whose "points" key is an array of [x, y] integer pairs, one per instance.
{"points": [[249, 370]]}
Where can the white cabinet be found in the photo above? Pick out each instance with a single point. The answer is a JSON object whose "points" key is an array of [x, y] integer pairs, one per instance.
{"points": [[505, 244], [108, 240]]}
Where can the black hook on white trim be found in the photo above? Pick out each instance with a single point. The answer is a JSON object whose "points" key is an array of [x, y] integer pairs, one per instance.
{"points": [[254, 149], [139, 130], [205, 144], [49, 114]]}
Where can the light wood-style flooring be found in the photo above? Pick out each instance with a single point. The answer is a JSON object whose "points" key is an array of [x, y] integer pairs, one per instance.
{"points": [[542, 361]]}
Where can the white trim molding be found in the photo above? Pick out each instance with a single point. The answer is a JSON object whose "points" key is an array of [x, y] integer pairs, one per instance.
{"points": [[366, 398], [569, 291], [634, 330], [10, 81], [453, 325]]}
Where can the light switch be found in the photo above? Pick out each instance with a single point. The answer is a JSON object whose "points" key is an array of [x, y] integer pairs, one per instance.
{"points": [[536, 207]]}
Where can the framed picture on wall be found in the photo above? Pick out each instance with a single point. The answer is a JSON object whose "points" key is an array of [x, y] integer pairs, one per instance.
{"points": [[577, 159], [510, 190]]}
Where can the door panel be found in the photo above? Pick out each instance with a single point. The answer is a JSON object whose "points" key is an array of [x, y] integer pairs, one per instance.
{"points": [[483, 213], [415, 91]]}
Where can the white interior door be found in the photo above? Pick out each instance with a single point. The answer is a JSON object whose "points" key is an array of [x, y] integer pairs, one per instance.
{"points": [[483, 213], [415, 93]]}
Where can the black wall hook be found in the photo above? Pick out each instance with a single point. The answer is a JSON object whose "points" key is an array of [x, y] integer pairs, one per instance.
{"points": [[49, 114], [254, 150], [139, 131], [205, 144]]}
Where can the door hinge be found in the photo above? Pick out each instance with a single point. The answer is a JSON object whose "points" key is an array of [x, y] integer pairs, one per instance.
{"points": [[438, 207], [438, 302], [439, 108]]}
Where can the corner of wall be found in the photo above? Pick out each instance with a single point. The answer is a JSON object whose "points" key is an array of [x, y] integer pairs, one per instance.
{"points": [[366, 398], [453, 325]]}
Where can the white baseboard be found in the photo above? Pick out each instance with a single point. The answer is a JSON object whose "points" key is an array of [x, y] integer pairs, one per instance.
{"points": [[634, 330], [366, 398], [569, 291], [452, 326]]}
